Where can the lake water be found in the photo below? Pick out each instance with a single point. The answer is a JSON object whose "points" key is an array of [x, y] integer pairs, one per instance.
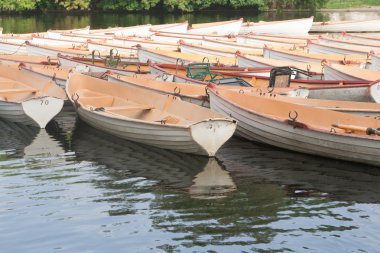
{"points": [[71, 188]]}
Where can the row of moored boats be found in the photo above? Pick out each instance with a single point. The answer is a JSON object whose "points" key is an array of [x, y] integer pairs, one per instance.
{"points": [[190, 88]]}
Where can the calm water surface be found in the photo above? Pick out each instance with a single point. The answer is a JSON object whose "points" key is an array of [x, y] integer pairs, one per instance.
{"points": [[71, 188]]}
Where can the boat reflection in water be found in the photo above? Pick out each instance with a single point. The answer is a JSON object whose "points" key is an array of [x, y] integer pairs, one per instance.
{"points": [[203, 177], [213, 182], [301, 174]]}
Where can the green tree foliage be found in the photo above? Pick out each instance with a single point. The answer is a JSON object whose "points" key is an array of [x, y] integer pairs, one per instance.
{"points": [[130, 5], [168, 5], [74, 4], [17, 5]]}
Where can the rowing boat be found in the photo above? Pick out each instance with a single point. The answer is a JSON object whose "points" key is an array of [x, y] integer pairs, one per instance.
{"points": [[147, 43], [164, 56], [357, 92], [342, 72], [56, 34], [300, 128], [366, 107], [292, 27], [259, 62], [139, 30], [9, 47], [87, 65], [214, 51], [172, 28], [256, 77], [43, 41], [298, 56], [323, 48], [193, 93], [57, 74], [106, 48], [50, 51], [231, 27], [368, 46], [347, 26], [270, 41], [360, 37], [147, 117], [27, 99], [31, 60]]}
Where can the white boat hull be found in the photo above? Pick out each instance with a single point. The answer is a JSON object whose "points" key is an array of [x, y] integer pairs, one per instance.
{"points": [[8, 48], [375, 62], [317, 48], [145, 56], [330, 73], [139, 31], [147, 44], [171, 28], [255, 127], [203, 138], [278, 55], [56, 42], [34, 112], [245, 62], [358, 94], [189, 49], [106, 48], [33, 50], [291, 27], [354, 26], [228, 28]]}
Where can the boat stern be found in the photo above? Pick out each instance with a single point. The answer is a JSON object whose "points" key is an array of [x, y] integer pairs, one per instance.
{"points": [[42, 110], [210, 135]]}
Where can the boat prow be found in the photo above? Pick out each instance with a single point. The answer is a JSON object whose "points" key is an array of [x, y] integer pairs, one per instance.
{"points": [[211, 134], [42, 109]]}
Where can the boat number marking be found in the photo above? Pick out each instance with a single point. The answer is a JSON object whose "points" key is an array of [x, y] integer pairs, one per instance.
{"points": [[44, 102]]}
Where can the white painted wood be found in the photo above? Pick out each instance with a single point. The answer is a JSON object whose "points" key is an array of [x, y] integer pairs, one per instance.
{"points": [[56, 34], [219, 28], [139, 31], [42, 110], [321, 48], [172, 28], [133, 42], [331, 73], [106, 48], [12, 48], [362, 45], [198, 50], [375, 62], [36, 50], [42, 41], [347, 26], [292, 27]]}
